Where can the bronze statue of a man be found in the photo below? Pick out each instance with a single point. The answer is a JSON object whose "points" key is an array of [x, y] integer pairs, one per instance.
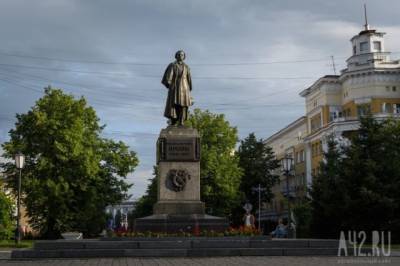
{"points": [[178, 81]]}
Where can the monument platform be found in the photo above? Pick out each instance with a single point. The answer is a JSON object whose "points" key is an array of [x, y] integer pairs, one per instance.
{"points": [[179, 247], [172, 223], [179, 207]]}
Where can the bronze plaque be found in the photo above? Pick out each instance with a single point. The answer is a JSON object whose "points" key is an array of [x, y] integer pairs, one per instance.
{"points": [[179, 149]]}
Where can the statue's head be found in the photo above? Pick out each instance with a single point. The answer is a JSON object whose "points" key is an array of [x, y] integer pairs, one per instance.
{"points": [[180, 55]]}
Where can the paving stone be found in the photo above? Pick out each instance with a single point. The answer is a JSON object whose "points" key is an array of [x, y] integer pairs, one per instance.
{"points": [[155, 252], [310, 252]]}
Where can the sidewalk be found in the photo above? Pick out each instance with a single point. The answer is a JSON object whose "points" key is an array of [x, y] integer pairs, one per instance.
{"points": [[270, 261]]}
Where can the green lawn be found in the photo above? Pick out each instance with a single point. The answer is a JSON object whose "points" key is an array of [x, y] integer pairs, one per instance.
{"points": [[7, 244]]}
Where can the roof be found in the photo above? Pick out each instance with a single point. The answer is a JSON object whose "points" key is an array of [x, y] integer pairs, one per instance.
{"points": [[294, 124], [368, 32], [326, 78]]}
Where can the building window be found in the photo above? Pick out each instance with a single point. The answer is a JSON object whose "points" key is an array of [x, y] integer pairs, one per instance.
{"points": [[394, 88], [363, 109], [354, 49], [363, 46], [316, 149], [347, 112], [301, 156], [316, 122], [334, 115], [386, 108], [396, 108], [377, 46], [320, 150]]}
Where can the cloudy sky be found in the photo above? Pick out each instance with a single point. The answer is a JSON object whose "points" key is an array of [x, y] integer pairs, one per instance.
{"points": [[249, 59]]}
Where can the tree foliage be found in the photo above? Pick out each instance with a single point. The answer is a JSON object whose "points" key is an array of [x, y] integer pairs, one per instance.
{"points": [[359, 189], [328, 194], [6, 216], [71, 172], [259, 164], [144, 206], [220, 171]]}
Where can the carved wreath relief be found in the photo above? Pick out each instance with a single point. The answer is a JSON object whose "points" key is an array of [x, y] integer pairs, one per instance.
{"points": [[177, 179]]}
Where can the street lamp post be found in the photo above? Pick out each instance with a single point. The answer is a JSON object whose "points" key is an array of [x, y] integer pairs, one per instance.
{"points": [[19, 163], [287, 164], [259, 189]]}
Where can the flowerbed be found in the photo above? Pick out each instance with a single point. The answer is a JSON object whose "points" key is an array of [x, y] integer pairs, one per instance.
{"points": [[240, 231]]}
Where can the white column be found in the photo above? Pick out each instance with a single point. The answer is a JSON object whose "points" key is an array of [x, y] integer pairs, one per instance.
{"points": [[308, 164]]}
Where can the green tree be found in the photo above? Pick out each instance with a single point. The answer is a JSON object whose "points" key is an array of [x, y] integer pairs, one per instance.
{"points": [[328, 195], [220, 171], [371, 176], [358, 188], [144, 206], [303, 215], [6, 216], [259, 164], [71, 172]]}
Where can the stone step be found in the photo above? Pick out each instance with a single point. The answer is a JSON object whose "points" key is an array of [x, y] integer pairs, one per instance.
{"points": [[200, 252], [178, 247], [183, 243]]}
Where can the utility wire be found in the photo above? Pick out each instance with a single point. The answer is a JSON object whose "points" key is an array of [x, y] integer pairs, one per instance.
{"points": [[118, 104], [234, 104], [143, 76], [19, 55]]}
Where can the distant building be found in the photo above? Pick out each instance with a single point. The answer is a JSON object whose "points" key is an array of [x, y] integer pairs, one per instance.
{"points": [[334, 103], [24, 222], [125, 208]]}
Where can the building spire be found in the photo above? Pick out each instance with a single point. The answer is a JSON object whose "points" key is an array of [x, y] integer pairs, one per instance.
{"points": [[365, 17]]}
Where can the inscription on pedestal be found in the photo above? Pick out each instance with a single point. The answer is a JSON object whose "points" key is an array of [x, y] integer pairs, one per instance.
{"points": [[179, 149]]}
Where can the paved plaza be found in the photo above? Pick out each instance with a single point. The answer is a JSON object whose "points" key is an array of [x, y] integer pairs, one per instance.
{"points": [[271, 261]]}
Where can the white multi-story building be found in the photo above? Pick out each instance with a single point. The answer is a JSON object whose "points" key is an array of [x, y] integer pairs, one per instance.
{"points": [[334, 103]]}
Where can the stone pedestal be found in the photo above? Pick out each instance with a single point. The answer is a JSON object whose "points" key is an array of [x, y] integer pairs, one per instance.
{"points": [[178, 159], [179, 207]]}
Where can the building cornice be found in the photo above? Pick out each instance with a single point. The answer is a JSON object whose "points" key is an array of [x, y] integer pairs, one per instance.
{"points": [[298, 122], [368, 71], [318, 83]]}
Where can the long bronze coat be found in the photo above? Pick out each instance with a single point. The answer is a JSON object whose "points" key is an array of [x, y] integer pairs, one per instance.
{"points": [[179, 83]]}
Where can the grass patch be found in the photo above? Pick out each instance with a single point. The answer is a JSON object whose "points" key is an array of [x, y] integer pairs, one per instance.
{"points": [[4, 244]]}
